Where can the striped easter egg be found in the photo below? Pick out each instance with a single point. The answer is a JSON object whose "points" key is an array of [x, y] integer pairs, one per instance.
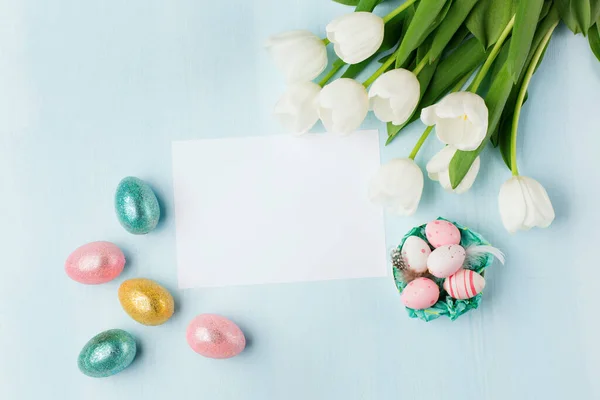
{"points": [[464, 284]]}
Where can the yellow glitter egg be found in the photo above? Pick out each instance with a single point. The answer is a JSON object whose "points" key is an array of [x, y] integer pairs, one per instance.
{"points": [[146, 301]]}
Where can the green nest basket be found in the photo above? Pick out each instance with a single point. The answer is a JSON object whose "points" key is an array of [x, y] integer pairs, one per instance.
{"points": [[446, 305]]}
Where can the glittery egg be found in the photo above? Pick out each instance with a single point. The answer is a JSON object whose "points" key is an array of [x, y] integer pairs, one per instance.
{"points": [[146, 301], [420, 294], [215, 336], [107, 353], [446, 260], [136, 206], [415, 252], [441, 233], [95, 263], [464, 284]]}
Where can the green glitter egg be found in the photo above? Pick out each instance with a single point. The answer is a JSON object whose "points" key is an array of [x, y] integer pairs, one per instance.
{"points": [[107, 353], [136, 206]]}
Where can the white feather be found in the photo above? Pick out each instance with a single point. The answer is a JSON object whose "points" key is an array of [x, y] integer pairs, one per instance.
{"points": [[477, 251]]}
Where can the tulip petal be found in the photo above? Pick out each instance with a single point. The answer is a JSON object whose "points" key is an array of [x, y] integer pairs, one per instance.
{"points": [[441, 160], [540, 210], [429, 116], [395, 95], [300, 55], [382, 109], [398, 186], [524, 204], [356, 36], [297, 109], [343, 105], [512, 205]]}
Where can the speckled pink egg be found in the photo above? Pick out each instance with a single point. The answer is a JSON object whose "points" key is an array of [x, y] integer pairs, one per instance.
{"points": [[215, 336], [441, 233], [446, 260], [420, 294], [95, 263]]}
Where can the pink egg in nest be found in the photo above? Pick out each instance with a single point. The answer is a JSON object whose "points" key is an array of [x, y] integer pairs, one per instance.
{"points": [[420, 294], [442, 233], [214, 336], [95, 263]]}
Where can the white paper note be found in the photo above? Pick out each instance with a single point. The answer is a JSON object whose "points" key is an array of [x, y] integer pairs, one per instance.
{"points": [[274, 209]]}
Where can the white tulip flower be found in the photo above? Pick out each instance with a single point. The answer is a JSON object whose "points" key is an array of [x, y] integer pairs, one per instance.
{"points": [[460, 119], [398, 186], [343, 105], [524, 204], [297, 109], [356, 36], [438, 169], [395, 95], [300, 55]]}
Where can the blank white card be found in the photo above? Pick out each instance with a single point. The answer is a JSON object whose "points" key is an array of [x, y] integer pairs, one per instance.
{"points": [[274, 209]]}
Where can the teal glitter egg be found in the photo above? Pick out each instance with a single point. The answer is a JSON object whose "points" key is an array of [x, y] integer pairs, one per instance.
{"points": [[107, 353], [136, 206]]}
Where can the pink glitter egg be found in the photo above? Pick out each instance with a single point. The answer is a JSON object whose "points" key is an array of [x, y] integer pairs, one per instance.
{"points": [[420, 294], [442, 233], [214, 336], [95, 263]]}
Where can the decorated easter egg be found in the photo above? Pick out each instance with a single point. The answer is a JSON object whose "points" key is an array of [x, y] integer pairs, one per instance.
{"points": [[107, 353], [94, 263], [215, 336], [136, 206], [420, 294], [415, 252], [442, 233], [464, 284], [146, 301], [446, 260]]}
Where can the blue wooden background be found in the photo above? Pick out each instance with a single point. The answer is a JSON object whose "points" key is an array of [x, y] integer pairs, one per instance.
{"points": [[92, 91]]}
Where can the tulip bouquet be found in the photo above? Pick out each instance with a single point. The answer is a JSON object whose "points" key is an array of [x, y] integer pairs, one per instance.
{"points": [[461, 66]]}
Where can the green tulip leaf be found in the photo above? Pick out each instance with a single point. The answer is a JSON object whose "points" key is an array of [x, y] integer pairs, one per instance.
{"points": [[582, 12], [578, 15], [409, 14], [546, 8], [348, 2], [452, 68], [595, 7], [457, 13], [367, 5], [489, 18], [498, 138], [526, 21], [594, 39], [419, 27], [564, 10]]}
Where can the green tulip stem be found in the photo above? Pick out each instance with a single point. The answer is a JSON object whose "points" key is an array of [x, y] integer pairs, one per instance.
{"points": [[325, 41], [492, 57], [388, 63], [398, 10], [334, 70], [419, 144], [522, 93], [421, 65]]}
